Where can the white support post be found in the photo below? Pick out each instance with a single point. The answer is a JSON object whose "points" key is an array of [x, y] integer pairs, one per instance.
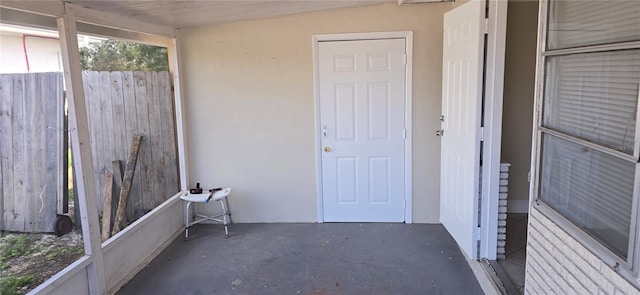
{"points": [[81, 149], [496, 41], [174, 68]]}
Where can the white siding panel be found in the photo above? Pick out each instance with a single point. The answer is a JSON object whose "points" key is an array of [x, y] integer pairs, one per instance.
{"points": [[558, 264]]}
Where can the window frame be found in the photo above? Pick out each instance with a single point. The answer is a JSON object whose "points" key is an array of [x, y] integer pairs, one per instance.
{"points": [[628, 268]]}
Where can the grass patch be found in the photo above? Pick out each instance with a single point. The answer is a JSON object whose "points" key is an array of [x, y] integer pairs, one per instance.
{"points": [[65, 252], [17, 246], [3, 265], [12, 285], [27, 260]]}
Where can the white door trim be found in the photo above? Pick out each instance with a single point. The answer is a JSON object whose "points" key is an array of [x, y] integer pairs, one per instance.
{"points": [[408, 37], [497, 29]]}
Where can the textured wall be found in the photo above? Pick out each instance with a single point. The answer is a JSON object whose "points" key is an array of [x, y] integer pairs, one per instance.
{"points": [[43, 54], [558, 264], [519, 82], [250, 105]]}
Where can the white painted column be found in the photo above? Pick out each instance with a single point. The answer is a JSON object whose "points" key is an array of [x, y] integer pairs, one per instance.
{"points": [[174, 67], [497, 29], [81, 149]]}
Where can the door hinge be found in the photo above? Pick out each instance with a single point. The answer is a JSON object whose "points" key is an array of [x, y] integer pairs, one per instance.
{"points": [[404, 133], [486, 26], [481, 133], [476, 234], [405, 59]]}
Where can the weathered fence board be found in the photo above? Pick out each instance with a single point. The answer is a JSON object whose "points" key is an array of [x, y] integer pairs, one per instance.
{"points": [[168, 136], [120, 105], [155, 129], [142, 108], [131, 127], [32, 150], [33, 143], [6, 147]]}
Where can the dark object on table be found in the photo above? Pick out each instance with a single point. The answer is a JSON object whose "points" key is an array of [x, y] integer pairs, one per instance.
{"points": [[197, 190]]}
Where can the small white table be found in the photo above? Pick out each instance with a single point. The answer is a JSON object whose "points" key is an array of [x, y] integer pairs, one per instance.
{"points": [[192, 219]]}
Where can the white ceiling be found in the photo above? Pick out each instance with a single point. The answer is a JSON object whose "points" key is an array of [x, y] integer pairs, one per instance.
{"points": [[189, 13]]}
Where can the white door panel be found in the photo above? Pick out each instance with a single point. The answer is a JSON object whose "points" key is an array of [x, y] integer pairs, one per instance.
{"points": [[362, 88], [461, 108]]}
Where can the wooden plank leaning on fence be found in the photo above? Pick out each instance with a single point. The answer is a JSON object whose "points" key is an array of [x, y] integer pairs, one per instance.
{"points": [[106, 206], [117, 186], [112, 183], [121, 213]]}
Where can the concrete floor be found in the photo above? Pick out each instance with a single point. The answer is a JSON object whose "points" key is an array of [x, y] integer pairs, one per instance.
{"points": [[515, 250], [329, 258]]}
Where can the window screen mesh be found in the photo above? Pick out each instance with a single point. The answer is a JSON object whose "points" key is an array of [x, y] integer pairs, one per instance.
{"points": [[592, 189], [594, 96], [582, 23]]}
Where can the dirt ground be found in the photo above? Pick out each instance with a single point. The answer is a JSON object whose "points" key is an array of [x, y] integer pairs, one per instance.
{"points": [[27, 260]]}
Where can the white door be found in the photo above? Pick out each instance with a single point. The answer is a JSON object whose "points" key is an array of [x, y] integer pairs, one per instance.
{"points": [[362, 95], [461, 109]]}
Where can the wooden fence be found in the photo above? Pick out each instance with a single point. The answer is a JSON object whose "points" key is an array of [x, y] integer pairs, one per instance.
{"points": [[33, 143], [32, 151], [122, 104]]}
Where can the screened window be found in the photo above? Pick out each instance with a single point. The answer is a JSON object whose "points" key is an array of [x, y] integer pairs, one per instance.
{"points": [[594, 96], [582, 23], [588, 156], [591, 188]]}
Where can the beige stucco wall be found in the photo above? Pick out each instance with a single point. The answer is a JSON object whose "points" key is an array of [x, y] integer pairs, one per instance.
{"points": [[11, 54], [519, 82], [43, 54], [250, 105]]}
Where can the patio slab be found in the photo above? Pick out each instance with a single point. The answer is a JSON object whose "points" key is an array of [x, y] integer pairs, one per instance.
{"points": [[328, 258]]}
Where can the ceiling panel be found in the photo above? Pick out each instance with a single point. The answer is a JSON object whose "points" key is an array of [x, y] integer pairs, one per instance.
{"points": [[184, 14]]}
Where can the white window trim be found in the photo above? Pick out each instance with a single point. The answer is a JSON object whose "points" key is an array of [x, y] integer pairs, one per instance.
{"points": [[627, 269]]}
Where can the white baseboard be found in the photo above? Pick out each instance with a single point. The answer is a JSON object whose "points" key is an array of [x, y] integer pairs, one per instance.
{"points": [[517, 206]]}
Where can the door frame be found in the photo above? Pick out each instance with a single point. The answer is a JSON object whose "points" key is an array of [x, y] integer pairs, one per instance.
{"points": [[408, 37], [496, 28]]}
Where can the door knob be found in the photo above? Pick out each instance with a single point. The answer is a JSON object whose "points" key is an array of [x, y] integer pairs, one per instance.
{"points": [[327, 149], [440, 132]]}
